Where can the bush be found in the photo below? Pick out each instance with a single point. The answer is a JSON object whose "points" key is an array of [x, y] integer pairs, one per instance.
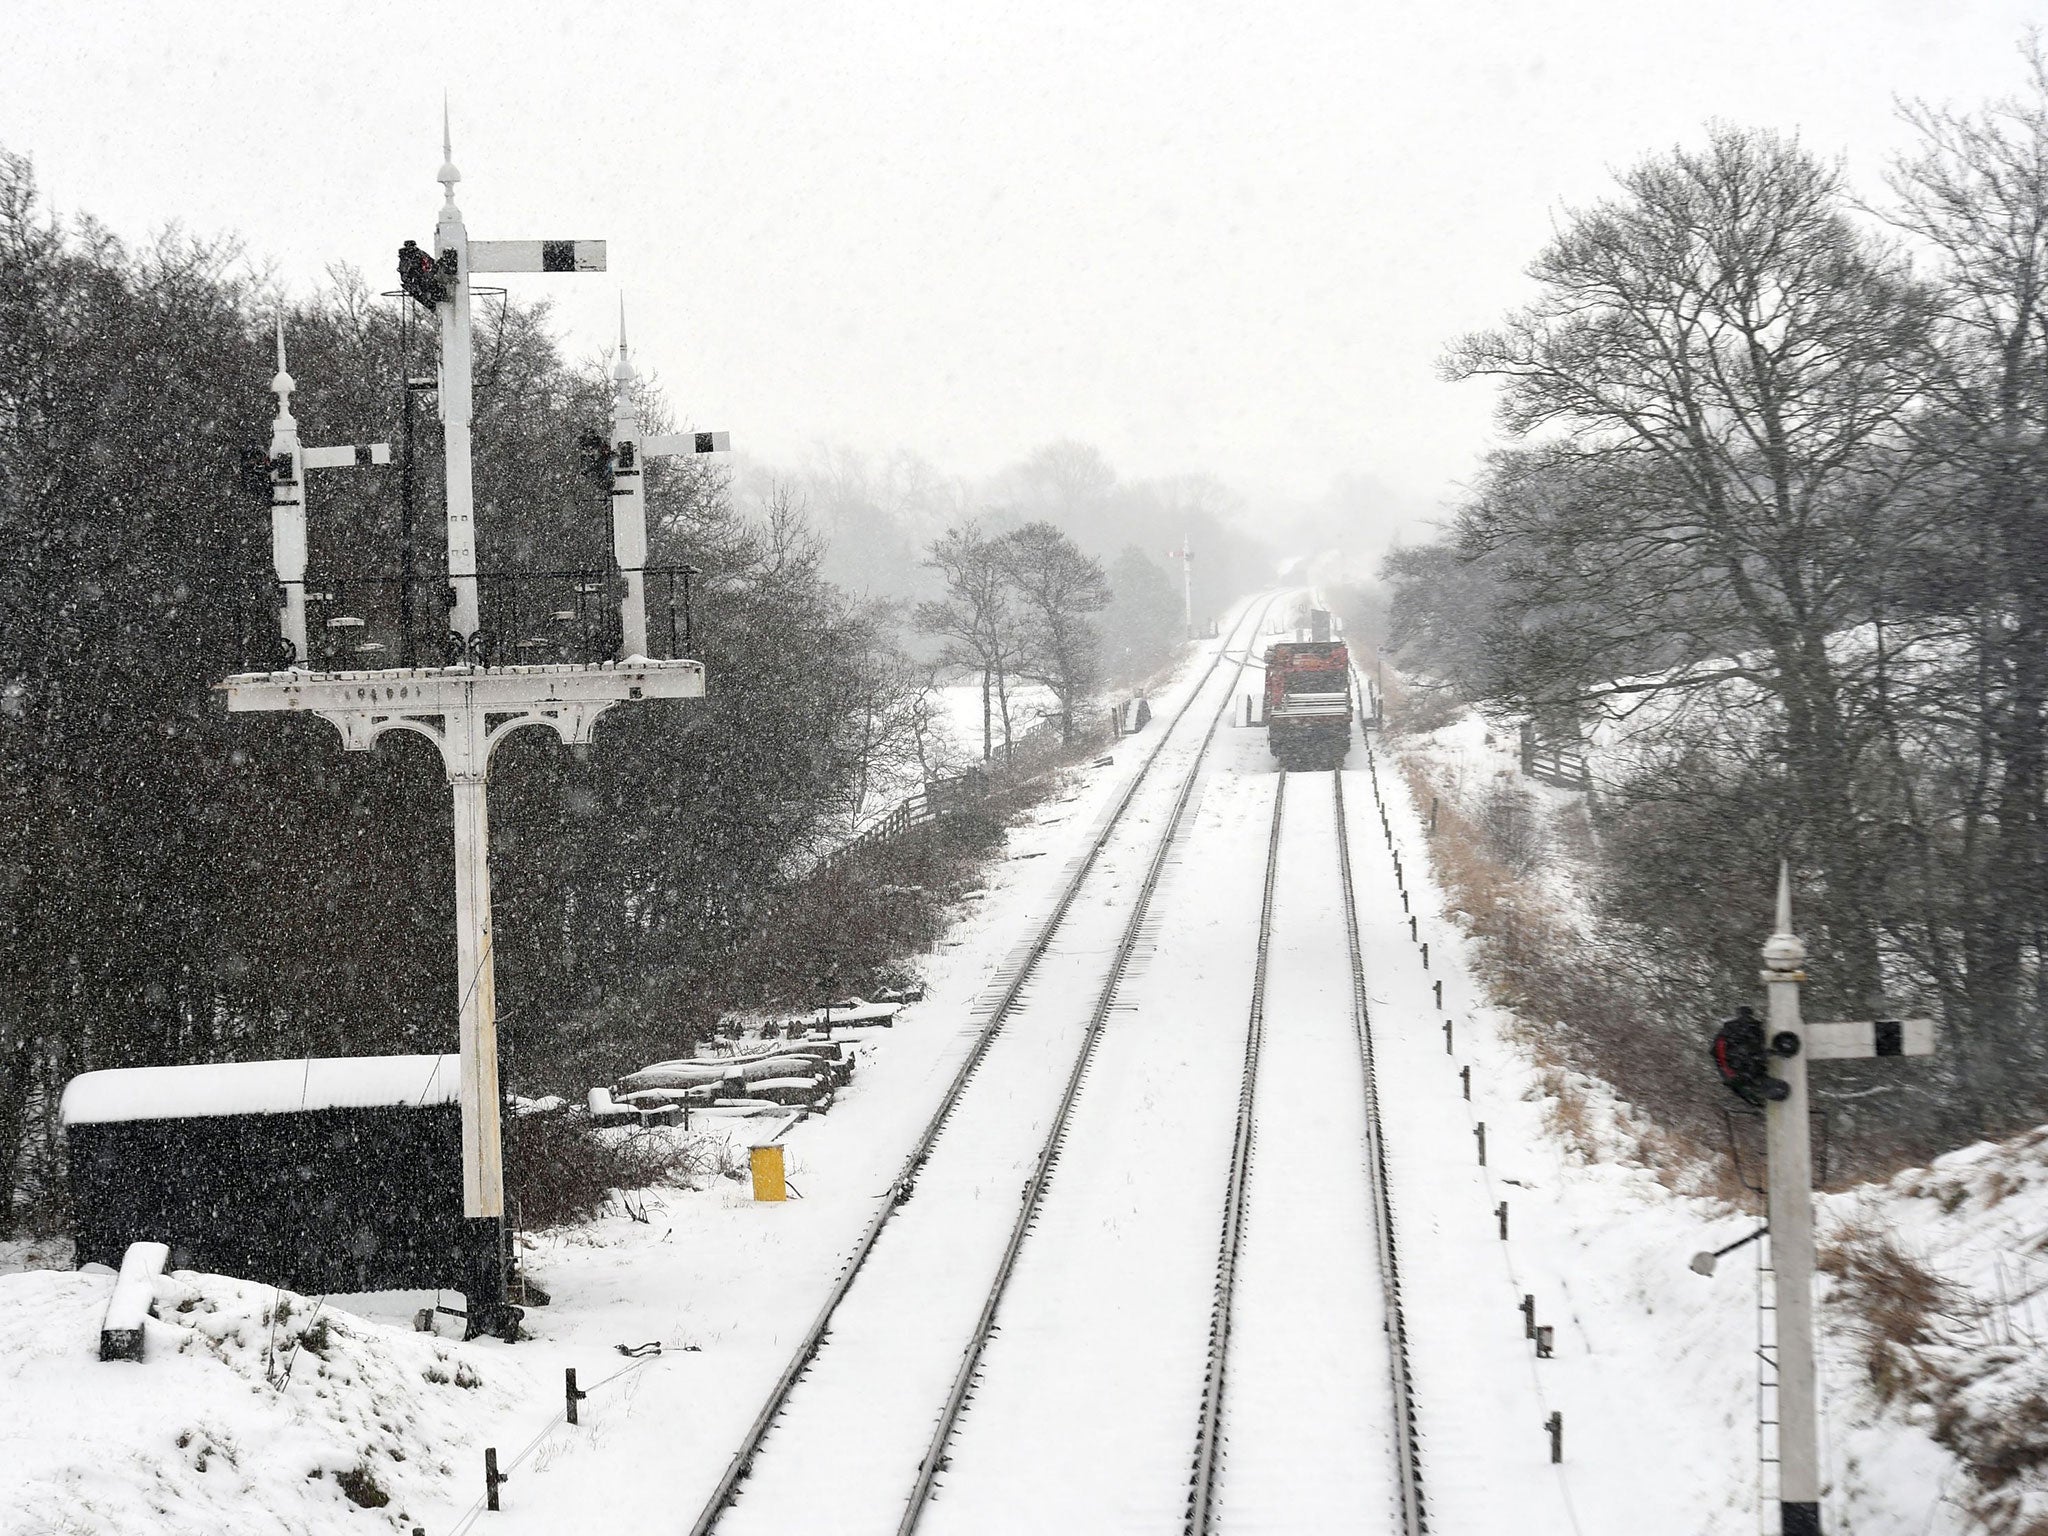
{"points": [[560, 1171]]}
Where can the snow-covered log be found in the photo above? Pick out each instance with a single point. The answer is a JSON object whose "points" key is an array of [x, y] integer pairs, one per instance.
{"points": [[134, 1293], [606, 1112], [693, 1074]]}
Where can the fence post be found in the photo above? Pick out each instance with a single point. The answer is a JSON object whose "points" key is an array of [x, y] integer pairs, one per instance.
{"points": [[1555, 1424], [573, 1395], [492, 1477]]}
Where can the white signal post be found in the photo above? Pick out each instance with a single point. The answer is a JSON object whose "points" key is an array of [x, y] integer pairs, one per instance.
{"points": [[630, 451], [465, 708], [1187, 584], [288, 537], [1788, 1146]]}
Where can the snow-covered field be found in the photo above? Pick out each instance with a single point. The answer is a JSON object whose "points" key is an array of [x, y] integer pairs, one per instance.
{"points": [[1085, 1415]]}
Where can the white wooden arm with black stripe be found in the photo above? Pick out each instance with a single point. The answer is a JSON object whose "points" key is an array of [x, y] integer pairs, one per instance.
{"points": [[536, 256], [347, 456], [1854, 1041], [664, 445]]}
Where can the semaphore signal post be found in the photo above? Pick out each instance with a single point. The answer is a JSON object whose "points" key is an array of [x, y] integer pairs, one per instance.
{"points": [[1776, 1077], [557, 661]]}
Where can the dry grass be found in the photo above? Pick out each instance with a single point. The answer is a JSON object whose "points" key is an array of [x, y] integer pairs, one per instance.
{"points": [[1895, 1301], [1918, 1338], [1578, 1014]]}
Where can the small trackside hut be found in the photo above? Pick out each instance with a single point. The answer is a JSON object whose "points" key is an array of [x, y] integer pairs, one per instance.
{"points": [[1308, 700], [321, 1175]]}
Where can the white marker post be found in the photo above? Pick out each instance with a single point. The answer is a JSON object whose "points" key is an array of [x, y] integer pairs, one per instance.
{"points": [[630, 451], [1788, 1144], [289, 462]]}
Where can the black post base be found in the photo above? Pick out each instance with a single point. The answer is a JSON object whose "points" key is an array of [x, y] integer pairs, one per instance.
{"points": [[1798, 1519], [484, 1266]]}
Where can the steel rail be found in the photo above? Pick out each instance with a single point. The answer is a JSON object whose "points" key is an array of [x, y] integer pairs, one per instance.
{"points": [[1407, 1455], [1209, 1426], [1034, 1190], [904, 1184]]}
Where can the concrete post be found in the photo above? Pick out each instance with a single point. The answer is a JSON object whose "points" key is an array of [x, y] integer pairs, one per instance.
{"points": [[483, 1173], [451, 235], [1788, 1145], [288, 513], [629, 502], [1187, 584]]}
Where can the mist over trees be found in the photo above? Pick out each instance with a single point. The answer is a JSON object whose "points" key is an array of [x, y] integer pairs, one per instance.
{"points": [[879, 515], [1775, 510]]}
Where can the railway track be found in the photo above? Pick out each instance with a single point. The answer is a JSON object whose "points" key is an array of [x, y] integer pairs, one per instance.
{"points": [[1296, 1459], [1079, 1406], [875, 1340]]}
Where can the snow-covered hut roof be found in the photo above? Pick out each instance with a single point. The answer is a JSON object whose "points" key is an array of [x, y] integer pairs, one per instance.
{"points": [[260, 1088]]}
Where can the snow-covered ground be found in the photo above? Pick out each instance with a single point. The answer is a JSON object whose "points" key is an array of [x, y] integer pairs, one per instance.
{"points": [[1656, 1362], [1652, 1366], [1085, 1416], [725, 1284]]}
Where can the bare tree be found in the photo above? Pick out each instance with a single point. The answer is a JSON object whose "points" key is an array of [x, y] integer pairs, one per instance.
{"points": [[975, 619], [1058, 590], [1715, 373], [1975, 195]]}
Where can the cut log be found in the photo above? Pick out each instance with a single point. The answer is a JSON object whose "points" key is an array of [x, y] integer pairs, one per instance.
{"points": [[133, 1296]]}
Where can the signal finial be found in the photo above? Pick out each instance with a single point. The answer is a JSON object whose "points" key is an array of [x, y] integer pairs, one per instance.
{"points": [[447, 175], [622, 370], [282, 384], [1784, 953]]}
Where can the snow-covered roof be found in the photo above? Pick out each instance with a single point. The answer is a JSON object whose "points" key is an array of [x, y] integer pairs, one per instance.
{"points": [[260, 1088]]}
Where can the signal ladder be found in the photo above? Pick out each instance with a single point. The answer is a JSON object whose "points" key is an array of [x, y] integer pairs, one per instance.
{"points": [[1766, 1390]]}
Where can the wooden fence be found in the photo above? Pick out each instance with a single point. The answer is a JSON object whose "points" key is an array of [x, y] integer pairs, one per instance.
{"points": [[1550, 762], [938, 798]]}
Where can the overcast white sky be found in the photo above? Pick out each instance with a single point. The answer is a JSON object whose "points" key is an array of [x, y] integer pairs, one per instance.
{"points": [[1225, 237]]}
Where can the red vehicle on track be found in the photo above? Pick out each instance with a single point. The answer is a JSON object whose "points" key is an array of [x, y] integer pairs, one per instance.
{"points": [[1308, 702]]}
